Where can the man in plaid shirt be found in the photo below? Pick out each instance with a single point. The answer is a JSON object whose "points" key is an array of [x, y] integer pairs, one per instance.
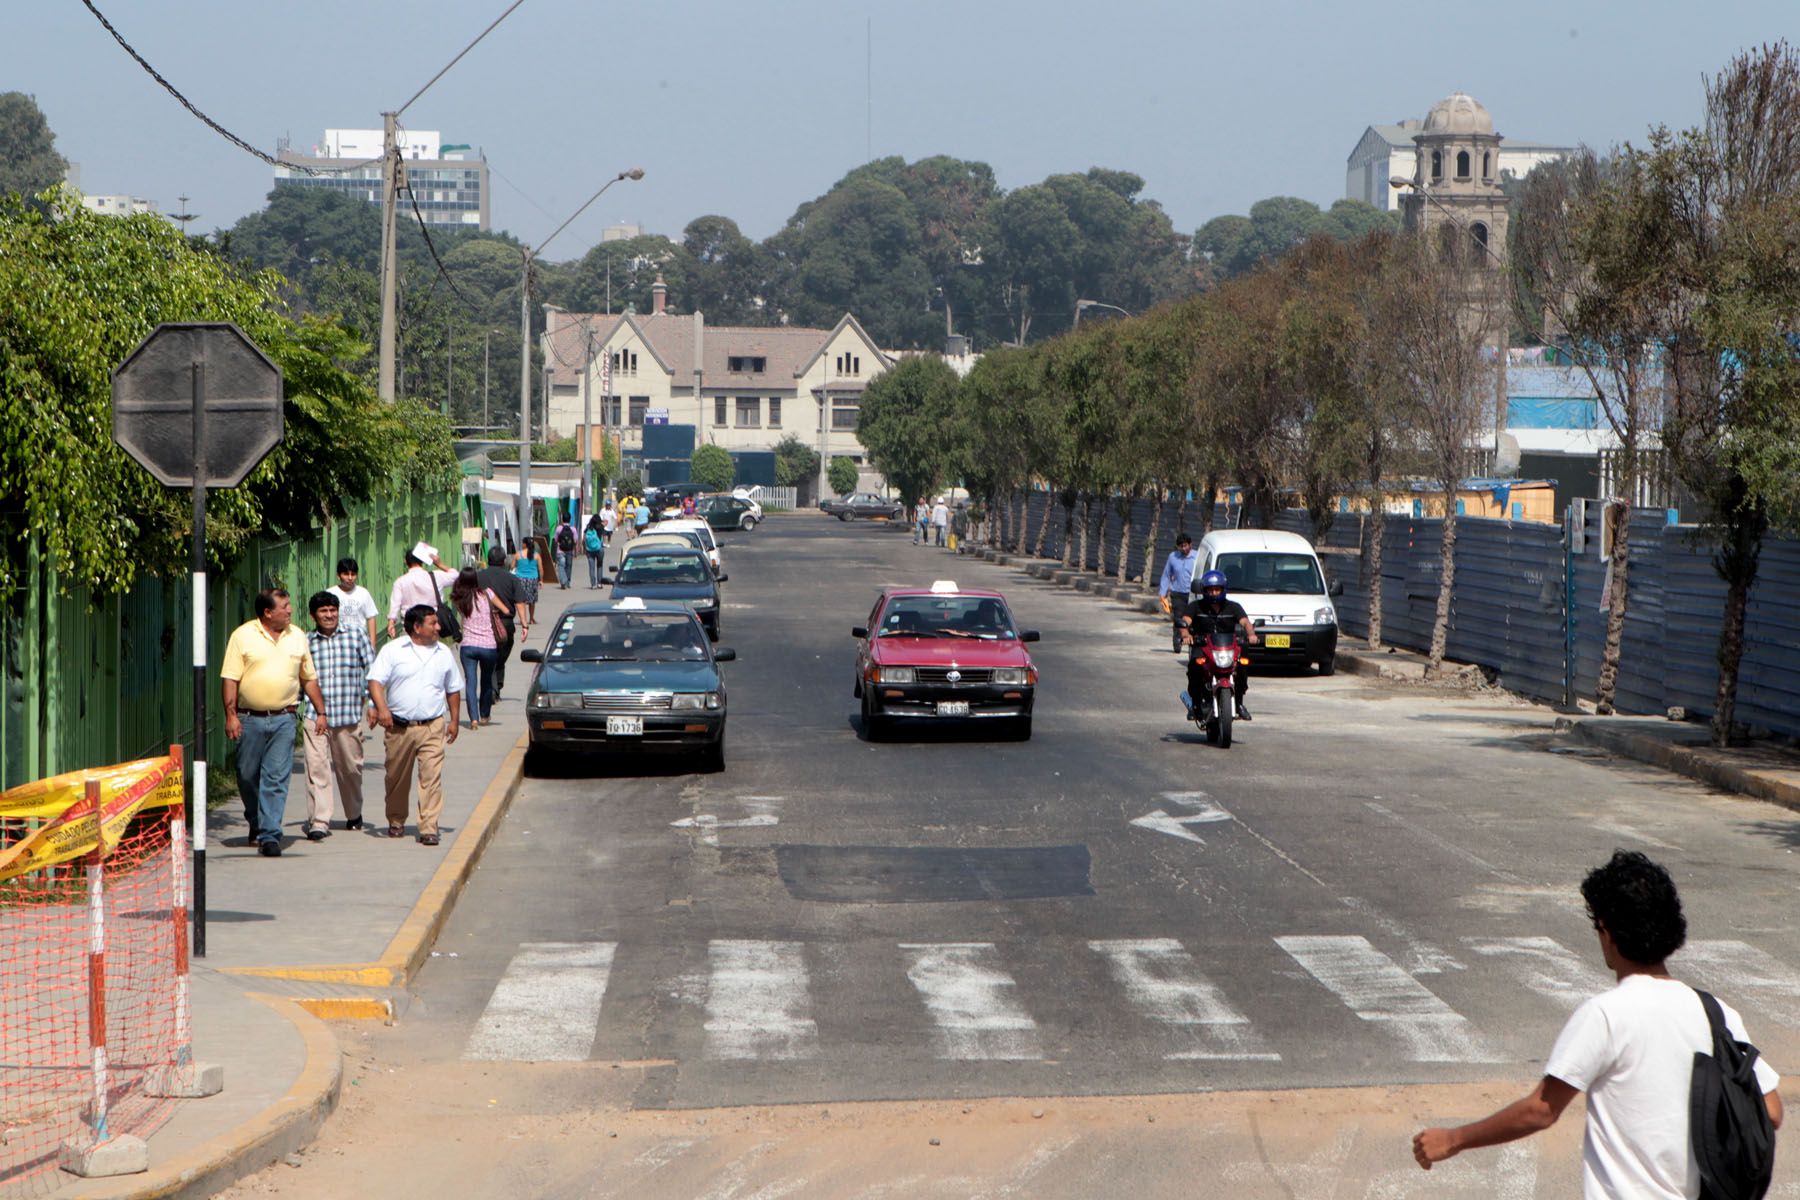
{"points": [[341, 654]]}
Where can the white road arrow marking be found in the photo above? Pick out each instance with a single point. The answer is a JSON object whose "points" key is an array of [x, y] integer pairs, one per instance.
{"points": [[1204, 812], [709, 825]]}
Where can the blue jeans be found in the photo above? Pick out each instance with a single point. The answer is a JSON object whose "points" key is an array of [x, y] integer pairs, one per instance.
{"points": [[595, 558], [478, 695], [563, 560], [265, 763]]}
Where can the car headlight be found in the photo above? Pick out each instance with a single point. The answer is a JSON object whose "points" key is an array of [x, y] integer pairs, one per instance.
{"points": [[688, 701], [559, 700], [703, 602], [1325, 616], [1009, 675], [897, 675]]}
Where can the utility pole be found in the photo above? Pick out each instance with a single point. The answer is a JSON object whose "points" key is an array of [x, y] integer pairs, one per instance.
{"points": [[390, 182], [486, 337]]}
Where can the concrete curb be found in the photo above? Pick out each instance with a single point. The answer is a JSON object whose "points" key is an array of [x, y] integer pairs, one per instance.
{"points": [[1080, 581], [411, 945], [279, 1130], [1702, 763]]}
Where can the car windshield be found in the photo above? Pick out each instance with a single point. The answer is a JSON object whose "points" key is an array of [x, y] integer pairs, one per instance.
{"points": [[628, 637], [1265, 573], [652, 567], [983, 617]]}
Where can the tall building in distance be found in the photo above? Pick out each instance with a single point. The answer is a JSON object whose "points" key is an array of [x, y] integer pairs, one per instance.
{"points": [[449, 180], [1386, 152]]}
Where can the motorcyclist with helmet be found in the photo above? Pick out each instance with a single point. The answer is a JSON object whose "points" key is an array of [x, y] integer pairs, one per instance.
{"points": [[1207, 612]]}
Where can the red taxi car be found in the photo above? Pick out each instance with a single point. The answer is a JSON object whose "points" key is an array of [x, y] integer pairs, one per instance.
{"points": [[944, 653]]}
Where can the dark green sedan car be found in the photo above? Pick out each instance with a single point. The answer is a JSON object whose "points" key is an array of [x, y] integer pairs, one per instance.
{"points": [[627, 675]]}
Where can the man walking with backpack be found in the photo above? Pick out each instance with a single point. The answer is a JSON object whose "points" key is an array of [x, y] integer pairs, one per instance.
{"points": [[1676, 1096], [563, 542]]}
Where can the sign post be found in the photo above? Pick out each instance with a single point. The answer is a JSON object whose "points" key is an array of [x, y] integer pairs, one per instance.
{"points": [[231, 396]]}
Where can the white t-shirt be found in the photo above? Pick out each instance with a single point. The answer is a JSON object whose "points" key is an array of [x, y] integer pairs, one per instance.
{"points": [[355, 605], [609, 519], [419, 679], [1632, 1051]]}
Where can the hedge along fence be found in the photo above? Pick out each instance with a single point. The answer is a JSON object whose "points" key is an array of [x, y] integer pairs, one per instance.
{"points": [[1526, 604], [98, 680]]}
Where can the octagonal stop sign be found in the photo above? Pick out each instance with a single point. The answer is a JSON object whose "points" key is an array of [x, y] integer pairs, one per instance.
{"points": [[197, 403]]}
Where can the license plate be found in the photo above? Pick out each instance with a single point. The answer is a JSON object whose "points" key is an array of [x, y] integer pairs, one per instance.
{"points": [[624, 727], [1277, 641], [953, 708]]}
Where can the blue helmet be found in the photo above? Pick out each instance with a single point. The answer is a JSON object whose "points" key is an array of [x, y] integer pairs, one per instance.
{"points": [[1212, 579]]}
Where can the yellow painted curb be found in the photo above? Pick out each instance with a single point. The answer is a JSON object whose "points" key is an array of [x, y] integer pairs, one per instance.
{"points": [[347, 1008], [411, 945], [284, 1127]]}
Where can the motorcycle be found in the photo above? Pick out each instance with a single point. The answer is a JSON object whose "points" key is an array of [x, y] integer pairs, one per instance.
{"points": [[1214, 709]]}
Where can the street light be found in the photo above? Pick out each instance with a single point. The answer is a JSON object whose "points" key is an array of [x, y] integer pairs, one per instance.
{"points": [[1082, 306], [634, 173]]}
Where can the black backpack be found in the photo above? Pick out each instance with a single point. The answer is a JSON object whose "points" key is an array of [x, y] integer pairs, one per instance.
{"points": [[565, 538], [1728, 1120]]}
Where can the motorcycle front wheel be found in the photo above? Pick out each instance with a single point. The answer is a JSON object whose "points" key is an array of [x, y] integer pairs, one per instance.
{"points": [[1224, 707]]}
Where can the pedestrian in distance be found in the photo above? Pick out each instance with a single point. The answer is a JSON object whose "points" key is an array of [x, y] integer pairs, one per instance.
{"points": [[1176, 582], [355, 605], [959, 526], [418, 584], [416, 686], [504, 584], [593, 542], [628, 506], [921, 521], [480, 610], [640, 518], [267, 665], [609, 524], [1635, 1050], [529, 571], [563, 546], [341, 654], [940, 522], [688, 506]]}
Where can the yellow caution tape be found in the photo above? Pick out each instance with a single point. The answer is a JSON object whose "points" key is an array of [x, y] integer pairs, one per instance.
{"points": [[73, 827]]}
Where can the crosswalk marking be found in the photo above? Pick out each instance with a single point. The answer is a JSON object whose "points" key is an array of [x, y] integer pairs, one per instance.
{"points": [[757, 1002], [1547, 967], [1164, 981], [1374, 987], [971, 998], [546, 1007], [1737, 972]]}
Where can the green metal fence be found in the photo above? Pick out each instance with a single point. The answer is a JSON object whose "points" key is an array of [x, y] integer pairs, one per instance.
{"points": [[89, 682]]}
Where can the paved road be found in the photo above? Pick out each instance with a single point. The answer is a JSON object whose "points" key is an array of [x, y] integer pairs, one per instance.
{"points": [[1375, 886]]}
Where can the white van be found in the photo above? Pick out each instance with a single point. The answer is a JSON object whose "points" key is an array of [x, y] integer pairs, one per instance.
{"points": [[1276, 576]]}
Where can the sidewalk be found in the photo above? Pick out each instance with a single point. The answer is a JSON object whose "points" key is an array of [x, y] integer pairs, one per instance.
{"points": [[333, 929]]}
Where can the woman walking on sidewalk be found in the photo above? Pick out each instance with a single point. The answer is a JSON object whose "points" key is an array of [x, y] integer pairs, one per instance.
{"points": [[480, 609], [527, 569]]}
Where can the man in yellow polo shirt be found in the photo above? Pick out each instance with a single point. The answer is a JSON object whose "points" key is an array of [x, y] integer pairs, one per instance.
{"points": [[267, 663]]}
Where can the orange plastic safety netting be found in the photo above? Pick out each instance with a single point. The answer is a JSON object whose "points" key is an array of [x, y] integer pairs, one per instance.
{"points": [[92, 966]]}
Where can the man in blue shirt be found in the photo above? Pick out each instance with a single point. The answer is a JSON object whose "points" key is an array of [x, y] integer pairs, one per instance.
{"points": [[1177, 580]]}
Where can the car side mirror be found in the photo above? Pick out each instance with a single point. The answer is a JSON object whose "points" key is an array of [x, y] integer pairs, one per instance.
{"points": [[859, 631], [724, 578], [531, 655], [1336, 588], [1030, 635], [724, 654]]}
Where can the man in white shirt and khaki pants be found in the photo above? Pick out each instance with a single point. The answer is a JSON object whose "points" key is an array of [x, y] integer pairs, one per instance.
{"points": [[416, 684]]}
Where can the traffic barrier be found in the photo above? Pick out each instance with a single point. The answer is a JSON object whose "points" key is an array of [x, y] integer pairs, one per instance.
{"points": [[95, 1041]]}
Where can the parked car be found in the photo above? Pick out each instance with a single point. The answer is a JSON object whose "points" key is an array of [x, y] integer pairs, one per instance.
{"points": [[729, 512], [671, 537], [634, 675], [866, 505], [1277, 578], [699, 529], [944, 653], [675, 573]]}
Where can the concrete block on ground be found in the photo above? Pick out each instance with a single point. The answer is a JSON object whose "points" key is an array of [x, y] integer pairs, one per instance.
{"points": [[121, 1154], [187, 1081]]}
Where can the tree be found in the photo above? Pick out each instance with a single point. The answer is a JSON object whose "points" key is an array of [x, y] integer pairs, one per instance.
{"points": [[904, 415], [29, 163], [1236, 245], [841, 475], [713, 467], [727, 278], [857, 249], [795, 461]]}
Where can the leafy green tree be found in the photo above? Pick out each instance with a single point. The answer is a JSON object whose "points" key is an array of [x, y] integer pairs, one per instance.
{"points": [[841, 475], [727, 278], [795, 461], [713, 467], [29, 163], [1236, 245], [904, 422], [856, 249]]}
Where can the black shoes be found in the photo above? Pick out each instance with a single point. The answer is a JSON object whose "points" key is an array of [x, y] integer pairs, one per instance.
{"points": [[269, 849], [1243, 713], [354, 824], [318, 833]]}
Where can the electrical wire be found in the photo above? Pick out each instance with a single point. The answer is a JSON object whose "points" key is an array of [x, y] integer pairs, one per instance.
{"points": [[217, 128], [432, 246]]}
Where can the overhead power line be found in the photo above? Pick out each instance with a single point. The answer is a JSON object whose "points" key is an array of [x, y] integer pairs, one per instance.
{"points": [[432, 246]]}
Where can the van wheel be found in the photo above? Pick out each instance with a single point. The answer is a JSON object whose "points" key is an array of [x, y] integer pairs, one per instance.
{"points": [[1328, 666]]}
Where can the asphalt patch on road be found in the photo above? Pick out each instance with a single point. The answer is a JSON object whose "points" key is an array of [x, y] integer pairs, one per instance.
{"points": [[932, 874]]}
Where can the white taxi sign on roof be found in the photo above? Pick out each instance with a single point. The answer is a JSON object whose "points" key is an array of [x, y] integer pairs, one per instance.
{"points": [[944, 586], [631, 602]]}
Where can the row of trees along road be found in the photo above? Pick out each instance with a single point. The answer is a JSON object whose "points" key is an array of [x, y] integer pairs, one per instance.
{"points": [[1671, 272]]}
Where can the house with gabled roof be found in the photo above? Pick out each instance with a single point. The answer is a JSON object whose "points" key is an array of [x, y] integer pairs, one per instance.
{"points": [[741, 387]]}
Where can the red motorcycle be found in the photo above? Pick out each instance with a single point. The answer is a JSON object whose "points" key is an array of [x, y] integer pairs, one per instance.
{"points": [[1213, 710]]}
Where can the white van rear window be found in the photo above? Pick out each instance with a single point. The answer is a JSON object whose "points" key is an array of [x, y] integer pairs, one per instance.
{"points": [[1264, 573]]}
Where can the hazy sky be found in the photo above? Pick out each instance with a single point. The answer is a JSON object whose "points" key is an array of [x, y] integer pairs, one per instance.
{"points": [[749, 107]]}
